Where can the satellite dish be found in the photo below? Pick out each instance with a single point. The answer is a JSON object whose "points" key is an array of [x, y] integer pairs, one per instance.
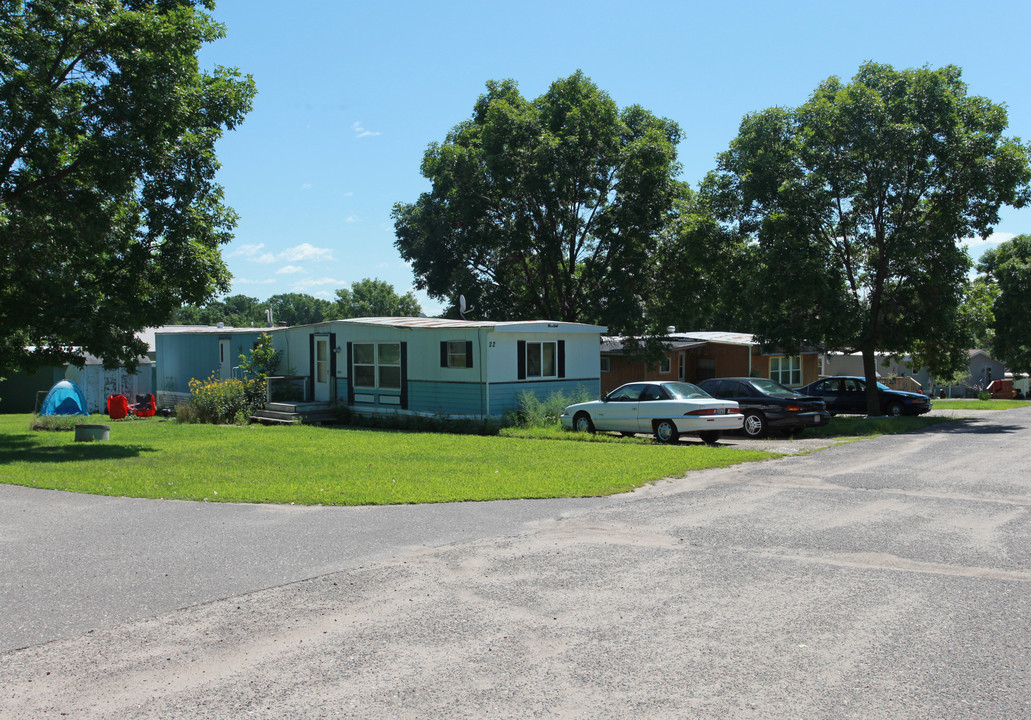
{"points": [[462, 307]]}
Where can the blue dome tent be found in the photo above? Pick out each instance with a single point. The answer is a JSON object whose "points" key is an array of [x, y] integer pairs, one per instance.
{"points": [[64, 398]]}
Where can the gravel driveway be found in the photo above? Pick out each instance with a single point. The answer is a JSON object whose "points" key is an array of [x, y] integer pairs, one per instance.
{"points": [[887, 578]]}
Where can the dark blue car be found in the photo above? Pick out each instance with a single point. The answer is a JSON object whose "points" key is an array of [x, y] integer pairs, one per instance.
{"points": [[846, 394]]}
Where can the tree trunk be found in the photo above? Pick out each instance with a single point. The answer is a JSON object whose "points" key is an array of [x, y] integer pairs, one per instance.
{"points": [[873, 401]]}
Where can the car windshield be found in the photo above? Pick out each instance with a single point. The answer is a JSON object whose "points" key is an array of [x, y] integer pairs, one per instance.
{"points": [[685, 391], [772, 388]]}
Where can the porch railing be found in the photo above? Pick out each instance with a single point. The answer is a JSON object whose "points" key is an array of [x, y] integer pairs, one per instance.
{"points": [[287, 388]]}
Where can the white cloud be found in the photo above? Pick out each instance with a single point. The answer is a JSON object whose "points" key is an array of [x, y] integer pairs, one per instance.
{"points": [[318, 282], [352, 219], [247, 251], [362, 132], [289, 270], [306, 251], [245, 281], [299, 253]]}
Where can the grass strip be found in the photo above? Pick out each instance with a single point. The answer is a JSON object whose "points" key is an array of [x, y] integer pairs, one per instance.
{"points": [[974, 404], [151, 458]]}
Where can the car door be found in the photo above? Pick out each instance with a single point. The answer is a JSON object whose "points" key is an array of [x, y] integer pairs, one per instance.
{"points": [[830, 391], [619, 411], [742, 393], [852, 396], [651, 406]]}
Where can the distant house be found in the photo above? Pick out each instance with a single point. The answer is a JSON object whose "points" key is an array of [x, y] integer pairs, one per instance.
{"points": [[697, 356], [983, 369], [899, 374], [892, 371], [424, 366]]}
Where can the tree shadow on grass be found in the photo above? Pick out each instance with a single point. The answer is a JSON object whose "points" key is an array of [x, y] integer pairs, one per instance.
{"points": [[23, 448]]}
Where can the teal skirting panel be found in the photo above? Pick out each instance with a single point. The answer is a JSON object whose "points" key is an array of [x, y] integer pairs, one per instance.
{"points": [[445, 398], [470, 399]]}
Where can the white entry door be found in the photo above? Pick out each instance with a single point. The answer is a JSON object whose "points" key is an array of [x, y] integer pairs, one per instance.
{"points": [[321, 379]]}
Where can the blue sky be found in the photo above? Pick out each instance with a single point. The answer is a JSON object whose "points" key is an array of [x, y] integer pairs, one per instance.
{"points": [[350, 94]]}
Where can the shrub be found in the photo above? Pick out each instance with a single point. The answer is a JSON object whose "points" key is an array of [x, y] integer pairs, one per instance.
{"points": [[55, 422], [222, 402], [534, 412], [984, 395]]}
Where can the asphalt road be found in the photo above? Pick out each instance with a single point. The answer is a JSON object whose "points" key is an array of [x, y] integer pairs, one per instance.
{"points": [[887, 578]]}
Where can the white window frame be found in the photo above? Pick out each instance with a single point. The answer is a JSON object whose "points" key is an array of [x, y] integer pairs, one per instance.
{"points": [[380, 367], [456, 356], [536, 348], [665, 365], [786, 369]]}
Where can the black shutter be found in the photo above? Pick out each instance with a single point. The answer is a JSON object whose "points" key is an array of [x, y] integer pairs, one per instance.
{"points": [[404, 376], [333, 356], [468, 353], [443, 353], [311, 366], [561, 358], [350, 376], [521, 360]]}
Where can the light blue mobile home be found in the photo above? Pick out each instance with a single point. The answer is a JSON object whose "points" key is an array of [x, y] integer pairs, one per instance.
{"points": [[197, 352], [417, 365]]}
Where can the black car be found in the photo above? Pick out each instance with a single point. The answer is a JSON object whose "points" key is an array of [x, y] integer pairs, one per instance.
{"points": [[768, 405], [846, 394]]}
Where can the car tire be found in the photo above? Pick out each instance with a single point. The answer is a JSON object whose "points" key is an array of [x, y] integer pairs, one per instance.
{"points": [[710, 437], [582, 423], [755, 425], [666, 432], [895, 409]]}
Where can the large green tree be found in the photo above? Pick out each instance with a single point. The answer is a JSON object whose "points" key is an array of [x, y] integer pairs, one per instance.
{"points": [[299, 309], [857, 202], [375, 298], [544, 208], [234, 311], [1009, 267], [702, 270], [110, 216]]}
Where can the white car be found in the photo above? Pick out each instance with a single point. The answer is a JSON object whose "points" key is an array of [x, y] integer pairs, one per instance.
{"points": [[666, 409]]}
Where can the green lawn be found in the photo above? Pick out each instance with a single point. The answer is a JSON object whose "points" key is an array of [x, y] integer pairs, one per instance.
{"points": [[974, 404], [335, 466]]}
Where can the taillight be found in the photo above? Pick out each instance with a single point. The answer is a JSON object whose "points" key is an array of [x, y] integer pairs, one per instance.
{"points": [[708, 411], [793, 408]]}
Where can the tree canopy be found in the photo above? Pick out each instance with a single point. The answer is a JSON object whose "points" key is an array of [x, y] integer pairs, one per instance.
{"points": [[365, 298], [545, 208], [110, 216], [375, 298], [856, 203], [1009, 267]]}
